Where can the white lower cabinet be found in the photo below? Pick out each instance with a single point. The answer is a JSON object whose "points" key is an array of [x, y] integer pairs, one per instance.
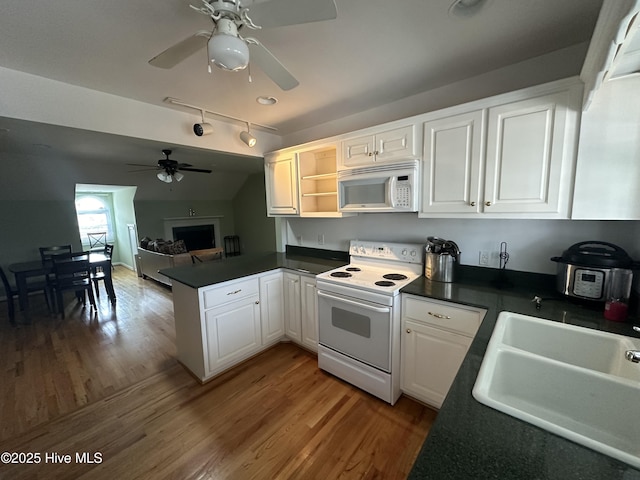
{"points": [[301, 305], [232, 333], [272, 307], [435, 338], [293, 327], [309, 312]]}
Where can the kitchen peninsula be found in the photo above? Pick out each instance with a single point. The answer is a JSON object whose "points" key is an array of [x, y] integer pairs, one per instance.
{"points": [[227, 311]]}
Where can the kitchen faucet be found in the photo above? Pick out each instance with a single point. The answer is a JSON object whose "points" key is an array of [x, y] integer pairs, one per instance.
{"points": [[633, 356]]}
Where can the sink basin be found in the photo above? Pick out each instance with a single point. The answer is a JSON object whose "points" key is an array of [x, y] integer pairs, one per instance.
{"points": [[572, 381]]}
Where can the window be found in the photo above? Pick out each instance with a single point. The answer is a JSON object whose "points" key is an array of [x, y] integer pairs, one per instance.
{"points": [[94, 215]]}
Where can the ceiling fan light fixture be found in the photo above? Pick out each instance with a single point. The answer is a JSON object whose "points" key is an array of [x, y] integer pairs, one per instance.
{"points": [[164, 177], [226, 49], [178, 176]]}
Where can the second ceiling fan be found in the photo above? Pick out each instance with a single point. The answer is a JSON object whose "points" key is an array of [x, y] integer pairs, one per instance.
{"points": [[230, 51]]}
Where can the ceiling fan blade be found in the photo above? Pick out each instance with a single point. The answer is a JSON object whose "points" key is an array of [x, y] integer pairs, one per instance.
{"points": [[181, 50], [264, 59], [200, 170], [148, 169], [142, 165], [279, 13]]}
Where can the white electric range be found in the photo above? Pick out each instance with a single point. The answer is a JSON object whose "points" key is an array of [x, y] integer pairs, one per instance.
{"points": [[359, 315]]}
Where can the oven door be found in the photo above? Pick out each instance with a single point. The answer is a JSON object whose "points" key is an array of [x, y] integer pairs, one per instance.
{"points": [[356, 328]]}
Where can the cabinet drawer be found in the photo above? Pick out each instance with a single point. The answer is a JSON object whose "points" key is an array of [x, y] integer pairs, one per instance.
{"points": [[444, 315], [231, 292]]}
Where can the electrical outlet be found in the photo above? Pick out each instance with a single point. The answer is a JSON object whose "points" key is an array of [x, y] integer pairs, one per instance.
{"points": [[321, 239], [483, 258]]}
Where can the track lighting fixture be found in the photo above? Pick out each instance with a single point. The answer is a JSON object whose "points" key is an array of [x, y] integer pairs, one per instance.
{"points": [[247, 138], [203, 128]]}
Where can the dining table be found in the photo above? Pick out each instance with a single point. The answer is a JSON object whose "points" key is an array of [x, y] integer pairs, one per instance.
{"points": [[37, 268]]}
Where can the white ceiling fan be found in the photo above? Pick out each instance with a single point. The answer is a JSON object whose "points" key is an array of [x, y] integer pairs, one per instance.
{"points": [[230, 51]]}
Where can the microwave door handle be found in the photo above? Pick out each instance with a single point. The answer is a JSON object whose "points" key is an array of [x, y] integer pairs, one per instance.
{"points": [[351, 302], [392, 188]]}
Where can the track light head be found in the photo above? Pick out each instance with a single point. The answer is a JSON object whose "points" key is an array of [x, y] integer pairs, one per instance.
{"points": [[201, 129], [247, 138]]}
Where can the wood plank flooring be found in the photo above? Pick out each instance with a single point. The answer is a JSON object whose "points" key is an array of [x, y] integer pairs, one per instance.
{"points": [[108, 385]]}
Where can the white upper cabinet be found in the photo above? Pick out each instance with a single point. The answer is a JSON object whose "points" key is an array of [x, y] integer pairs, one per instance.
{"points": [[513, 157], [452, 158], [281, 181], [382, 146], [608, 170]]}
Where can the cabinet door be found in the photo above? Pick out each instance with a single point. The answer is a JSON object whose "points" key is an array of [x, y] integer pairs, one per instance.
{"points": [[430, 360], [525, 153], [282, 185], [272, 307], [358, 151], [395, 144], [452, 161], [293, 328], [309, 308], [232, 333]]}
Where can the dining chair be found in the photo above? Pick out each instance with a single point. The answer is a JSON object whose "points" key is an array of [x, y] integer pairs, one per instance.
{"points": [[46, 255], [97, 240], [97, 273], [73, 272], [11, 292]]}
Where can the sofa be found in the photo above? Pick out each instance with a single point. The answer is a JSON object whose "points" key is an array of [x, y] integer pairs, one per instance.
{"points": [[154, 255], [150, 262]]}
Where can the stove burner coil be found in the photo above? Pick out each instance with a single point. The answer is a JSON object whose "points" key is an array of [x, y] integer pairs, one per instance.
{"points": [[395, 276], [341, 274], [353, 269], [384, 283]]}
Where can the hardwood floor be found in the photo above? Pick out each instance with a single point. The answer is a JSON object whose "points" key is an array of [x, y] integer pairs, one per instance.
{"points": [[109, 385]]}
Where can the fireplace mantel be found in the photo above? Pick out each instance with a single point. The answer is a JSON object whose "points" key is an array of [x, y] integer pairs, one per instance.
{"points": [[170, 223]]}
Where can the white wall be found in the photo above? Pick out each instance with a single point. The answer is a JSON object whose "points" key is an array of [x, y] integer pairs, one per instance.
{"points": [[531, 243], [39, 99]]}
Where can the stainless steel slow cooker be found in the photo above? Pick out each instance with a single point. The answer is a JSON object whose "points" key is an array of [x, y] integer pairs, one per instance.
{"points": [[587, 270]]}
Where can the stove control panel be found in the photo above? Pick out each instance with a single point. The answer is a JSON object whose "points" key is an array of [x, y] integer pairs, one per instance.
{"points": [[404, 252]]}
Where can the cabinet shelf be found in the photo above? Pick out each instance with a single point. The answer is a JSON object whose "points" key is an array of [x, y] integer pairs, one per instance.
{"points": [[320, 194], [320, 176]]}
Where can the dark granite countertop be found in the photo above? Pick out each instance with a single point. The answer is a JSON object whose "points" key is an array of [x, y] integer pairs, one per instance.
{"points": [[471, 440], [299, 260]]}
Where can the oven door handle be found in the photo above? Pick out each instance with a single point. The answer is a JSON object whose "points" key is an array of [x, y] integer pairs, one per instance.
{"points": [[352, 302]]}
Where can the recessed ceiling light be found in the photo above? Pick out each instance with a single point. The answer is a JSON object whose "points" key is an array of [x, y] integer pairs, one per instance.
{"points": [[266, 100]]}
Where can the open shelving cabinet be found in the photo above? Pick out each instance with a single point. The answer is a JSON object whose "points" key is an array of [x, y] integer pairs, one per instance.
{"points": [[317, 169]]}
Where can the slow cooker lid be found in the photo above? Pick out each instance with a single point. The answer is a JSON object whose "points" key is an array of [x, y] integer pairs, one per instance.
{"points": [[595, 254]]}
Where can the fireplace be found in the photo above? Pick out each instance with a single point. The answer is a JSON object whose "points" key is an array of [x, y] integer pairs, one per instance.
{"points": [[197, 232], [196, 237]]}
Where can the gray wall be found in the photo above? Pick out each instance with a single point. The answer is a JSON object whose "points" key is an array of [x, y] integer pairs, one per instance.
{"points": [[257, 232]]}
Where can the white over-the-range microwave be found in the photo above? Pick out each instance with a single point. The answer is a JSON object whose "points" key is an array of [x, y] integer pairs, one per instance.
{"points": [[391, 187]]}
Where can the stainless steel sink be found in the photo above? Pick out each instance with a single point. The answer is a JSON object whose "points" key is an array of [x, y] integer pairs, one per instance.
{"points": [[572, 381]]}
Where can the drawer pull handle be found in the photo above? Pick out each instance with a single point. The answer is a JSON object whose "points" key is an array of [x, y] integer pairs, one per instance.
{"points": [[257, 302], [234, 292], [408, 330], [438, 315]]}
